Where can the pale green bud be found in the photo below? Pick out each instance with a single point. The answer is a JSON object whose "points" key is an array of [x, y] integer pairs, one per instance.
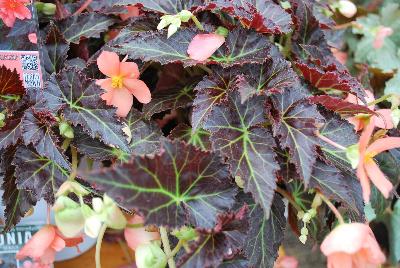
{"points": [[165, 21], [2, 118], [239, 181], [353, 155], [72, 187], [39, 6], [66, 130], [150, 255], [304, 231], [92, 226], [307, 217], [300, 215], [172, 29], [312, 212], [49, 9], [303, 239], [285, 4], [68, 216], [185, 15], [222, 31]]}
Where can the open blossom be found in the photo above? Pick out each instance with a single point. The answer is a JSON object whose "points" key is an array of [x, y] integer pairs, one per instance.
{"points": [[138, 236], [352, 245], [204, 45], [382, 119], [380, 36], [122, 82], [367, 168], [44, 245], [10, 10], [133, 11]]}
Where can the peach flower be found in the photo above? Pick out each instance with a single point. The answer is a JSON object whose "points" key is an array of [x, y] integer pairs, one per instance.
{"points": [[43, 245], [133, 11], [10, 10], [286, 262], [367, 168], [204, 45], [380, 36], [122, 82], [352, 245], [382, 119], [138, 236]]}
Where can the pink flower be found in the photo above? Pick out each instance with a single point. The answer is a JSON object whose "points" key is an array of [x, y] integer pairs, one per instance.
{"points": [[138, 236], [380, 36], [33, 38], [133, 11], [383, 119], [43, 245], [10, 10], [204, 45], [122, 82], [367, 168], [286, 262], [352, 245]]}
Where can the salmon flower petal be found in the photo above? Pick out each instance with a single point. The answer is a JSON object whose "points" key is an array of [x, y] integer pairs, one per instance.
{"points": [[139, 89], [203, 46], [384, 144], [364, 181], [122, 83], [378, 178], [108, 63], [32, 38], [352, 245], [138, 236], [10, 10], [366, 136], [123, 100], [129, 70], [383, 119]]}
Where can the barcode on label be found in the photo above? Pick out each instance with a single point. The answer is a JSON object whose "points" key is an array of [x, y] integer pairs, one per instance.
{"points": [[32, 80], [29, 62]]}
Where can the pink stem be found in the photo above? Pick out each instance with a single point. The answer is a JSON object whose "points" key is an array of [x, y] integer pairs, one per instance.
{"points": [[48, 213], [331, 142]]}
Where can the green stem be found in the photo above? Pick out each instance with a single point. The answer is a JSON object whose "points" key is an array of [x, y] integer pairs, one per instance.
{"points": [[333, 208], [289, 198], [167, 247], [66, 144], [383, 98], [98, 244], [176, 249], [329, 141], [197, 22]]}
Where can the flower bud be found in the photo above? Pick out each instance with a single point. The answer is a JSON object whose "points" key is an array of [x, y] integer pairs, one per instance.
{"points": [[39, 6], [303, 239], [68, 216], [304, 231], [114, 218], [66, 130], [347, 8], [49, 9], [71, 187], [353, 155], [185, 15], [165, 21], [92, 226], [2, 118], [300, 214], [222, 31], [307, 217], [150, 256]]}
